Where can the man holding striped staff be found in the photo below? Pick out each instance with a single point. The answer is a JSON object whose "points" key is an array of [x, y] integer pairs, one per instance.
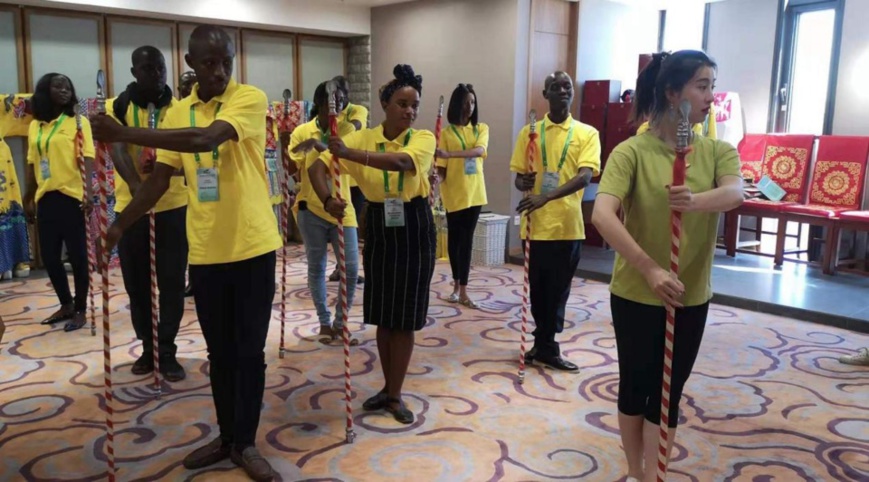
{"points": [[217, 135], [134, 164]]}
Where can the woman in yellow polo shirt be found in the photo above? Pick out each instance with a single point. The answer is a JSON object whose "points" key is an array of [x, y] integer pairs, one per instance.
{"points": [[317, 226], [459, 164], [390, 163], [55, 195], [636, 180]]}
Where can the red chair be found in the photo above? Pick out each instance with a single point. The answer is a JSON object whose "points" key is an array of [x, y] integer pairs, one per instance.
{"points": [[786, 160], [850, 221], [838, 176]]}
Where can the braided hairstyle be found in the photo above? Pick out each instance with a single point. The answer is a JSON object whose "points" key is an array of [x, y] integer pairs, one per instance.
{"points": [[666, 72], [404, 77]]}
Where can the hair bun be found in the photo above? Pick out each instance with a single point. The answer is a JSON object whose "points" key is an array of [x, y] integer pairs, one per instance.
{"points": [[403, 72]]}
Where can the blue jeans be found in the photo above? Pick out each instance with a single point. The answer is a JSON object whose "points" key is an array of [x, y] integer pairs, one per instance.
{"points": [[317, 234]]}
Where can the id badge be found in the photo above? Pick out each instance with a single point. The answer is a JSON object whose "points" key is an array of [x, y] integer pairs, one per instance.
{"points": [[393, 208], [206, 180], [550, 182], [470, 166], [272, 160], [44, 168]]}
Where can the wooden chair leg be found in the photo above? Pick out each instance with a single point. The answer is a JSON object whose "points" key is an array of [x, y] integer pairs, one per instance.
{"points": [[830, 257], [731, 233], [758, 229], [781, 235]]}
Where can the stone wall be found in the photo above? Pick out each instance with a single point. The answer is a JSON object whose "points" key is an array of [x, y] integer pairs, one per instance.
{"points": [[359, 71]]}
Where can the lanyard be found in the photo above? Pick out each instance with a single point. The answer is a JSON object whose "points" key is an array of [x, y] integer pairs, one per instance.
{"points": [[563, 151], [462, 139], [214, 154], [50, 135], [324, 136], [382, 148]]}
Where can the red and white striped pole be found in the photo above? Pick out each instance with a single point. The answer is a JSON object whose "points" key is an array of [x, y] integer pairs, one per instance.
{"points": [[432, 195], [92, 256], [285, 214], [103, 217], [155, 304], [530, 157], [680, 166], [332, 89]]}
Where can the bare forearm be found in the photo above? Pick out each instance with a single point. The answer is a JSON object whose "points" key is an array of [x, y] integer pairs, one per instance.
{"points": [[151, 191], [387, 161], [317, 175], [613, 231], [720, 199], [89, 175], [30, 183], [475, 152], [191, 139], [125, 167], [580, 181]]}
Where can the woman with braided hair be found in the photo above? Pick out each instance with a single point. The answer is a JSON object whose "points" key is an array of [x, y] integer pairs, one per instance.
{"points": [[390, 163]]}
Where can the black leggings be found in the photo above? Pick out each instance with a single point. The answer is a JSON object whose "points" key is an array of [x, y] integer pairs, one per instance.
{"points": [[639, 332], [60, 221], [460, 241]]}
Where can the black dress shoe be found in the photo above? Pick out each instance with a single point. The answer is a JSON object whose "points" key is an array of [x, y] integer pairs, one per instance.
{"points": [[254, 464], [144, 364], [557, 363], [209, 454], [170, 368]]}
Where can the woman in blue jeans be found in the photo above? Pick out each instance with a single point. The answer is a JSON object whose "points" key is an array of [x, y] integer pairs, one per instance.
{"points": [[319, 228]]}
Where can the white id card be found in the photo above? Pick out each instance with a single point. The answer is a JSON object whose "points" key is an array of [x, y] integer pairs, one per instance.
{"points": [[272, 160], [550, 182], [44, 168], [393, 209], [470, 166], [206, 180]]}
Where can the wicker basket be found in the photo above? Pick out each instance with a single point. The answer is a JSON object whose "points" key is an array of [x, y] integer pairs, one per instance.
{"points": [[490, 240]]}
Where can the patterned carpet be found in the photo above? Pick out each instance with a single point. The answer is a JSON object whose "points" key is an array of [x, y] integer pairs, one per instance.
{"points": [[768, 400]]}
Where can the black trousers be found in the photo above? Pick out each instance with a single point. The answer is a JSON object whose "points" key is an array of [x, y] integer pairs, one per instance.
{"points": [[460, 241], [171, 247], [234, 305], [60, 221], [550, 273], [639, 332]]}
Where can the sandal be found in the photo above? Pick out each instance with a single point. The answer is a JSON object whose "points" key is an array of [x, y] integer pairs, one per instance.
{"points": [[453, 298], [77, 322], [401, 414], [377, 402], [58, 316], [469, 303]]}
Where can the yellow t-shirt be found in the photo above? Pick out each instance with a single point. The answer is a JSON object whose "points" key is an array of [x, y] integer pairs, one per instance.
{"points": [[64, 169], [10, 191], [560, 219], [9, 125], [176, 196], [419, 144], [241, 224], [311, 130], [355, 112], [636, 173], [459, 190]]}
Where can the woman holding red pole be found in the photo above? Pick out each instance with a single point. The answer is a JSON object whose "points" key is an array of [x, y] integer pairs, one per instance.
{"points": [[637, 179]]}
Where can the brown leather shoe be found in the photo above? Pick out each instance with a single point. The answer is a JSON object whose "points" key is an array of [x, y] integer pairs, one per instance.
{"points": [[209, 454], [254, 464]]}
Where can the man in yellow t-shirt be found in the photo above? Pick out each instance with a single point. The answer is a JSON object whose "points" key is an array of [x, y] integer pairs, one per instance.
{"points": [[569, 158], [133, 164], [217, 135]]}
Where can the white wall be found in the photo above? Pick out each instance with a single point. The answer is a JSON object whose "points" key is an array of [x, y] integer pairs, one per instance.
{"points": [[605, 49], [309, 16], [742, 40], [452, 41], [852, 95]]}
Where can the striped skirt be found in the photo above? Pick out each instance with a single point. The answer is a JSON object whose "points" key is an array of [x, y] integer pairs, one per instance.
{"points": [[399, 265]]}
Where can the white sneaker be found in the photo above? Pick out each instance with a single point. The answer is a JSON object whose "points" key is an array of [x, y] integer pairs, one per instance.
{"points": [[860, 359], [6, 275], [22, 271]]}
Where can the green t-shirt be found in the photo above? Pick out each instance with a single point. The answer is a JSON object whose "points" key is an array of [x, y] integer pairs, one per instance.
{"points": [[637, 173]]}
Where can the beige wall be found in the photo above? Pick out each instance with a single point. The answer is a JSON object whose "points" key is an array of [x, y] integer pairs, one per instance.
{"points": [[482, 42], [742, 41]]}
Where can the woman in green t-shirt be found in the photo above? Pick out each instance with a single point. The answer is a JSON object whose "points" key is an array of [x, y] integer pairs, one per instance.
{"points": [[636, 179]]}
